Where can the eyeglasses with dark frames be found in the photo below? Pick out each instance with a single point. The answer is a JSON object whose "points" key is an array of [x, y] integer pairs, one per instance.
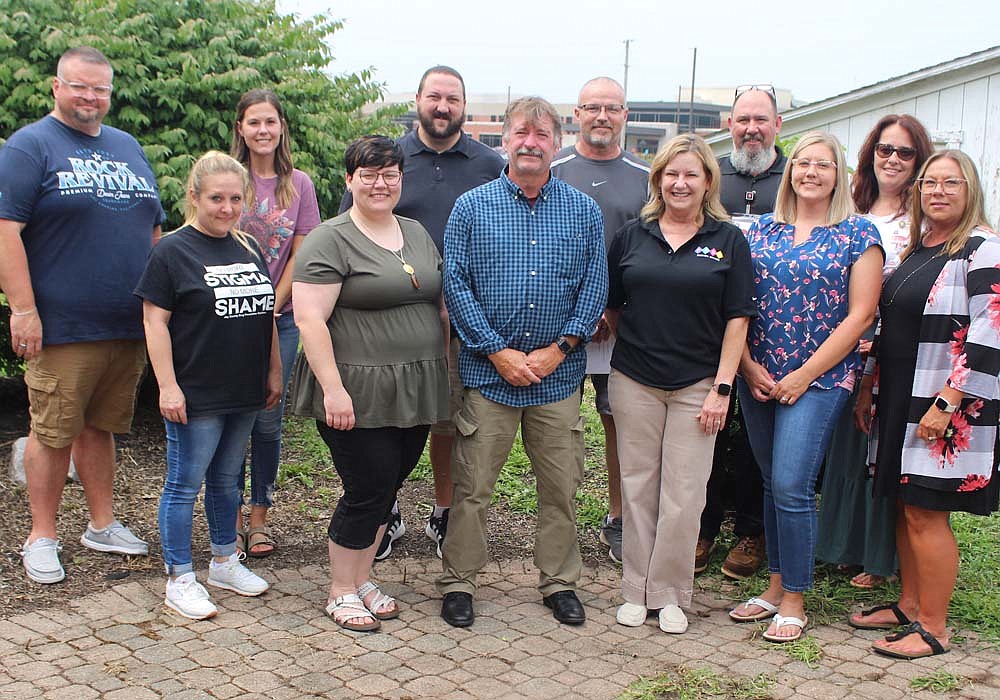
{"points": [[593, 108], [370, 177], [905, 153]]}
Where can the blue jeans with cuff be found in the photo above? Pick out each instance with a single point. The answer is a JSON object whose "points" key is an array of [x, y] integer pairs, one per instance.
{"points": [[207, 449], [789, 443]]}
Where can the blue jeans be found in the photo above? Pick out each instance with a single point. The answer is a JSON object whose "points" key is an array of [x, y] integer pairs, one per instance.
{"points": [[210, 450], [789, 443], [265, 440]]}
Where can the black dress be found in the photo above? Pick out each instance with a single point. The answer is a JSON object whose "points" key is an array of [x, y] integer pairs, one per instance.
{"points": [[901, 307]]}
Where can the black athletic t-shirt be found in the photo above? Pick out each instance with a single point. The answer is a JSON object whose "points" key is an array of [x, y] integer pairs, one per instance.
{"points": [[222, 312]]}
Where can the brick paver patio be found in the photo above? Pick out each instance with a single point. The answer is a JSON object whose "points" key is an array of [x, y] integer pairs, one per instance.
{"points": [[123, 644]]}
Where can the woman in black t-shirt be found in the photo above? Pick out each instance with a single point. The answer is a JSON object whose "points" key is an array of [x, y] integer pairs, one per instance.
{"points": [[208, 311], [680, 292]]}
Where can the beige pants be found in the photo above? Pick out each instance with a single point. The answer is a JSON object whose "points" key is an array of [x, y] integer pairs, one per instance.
{"points": [[553, 441], [666, 459]]}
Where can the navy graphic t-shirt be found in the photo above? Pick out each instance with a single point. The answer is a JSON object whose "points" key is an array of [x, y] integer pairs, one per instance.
{"points": [[222, 313], [89, 205]]}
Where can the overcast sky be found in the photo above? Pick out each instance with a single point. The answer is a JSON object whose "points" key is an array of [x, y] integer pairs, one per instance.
{"points": [[815, 49]]}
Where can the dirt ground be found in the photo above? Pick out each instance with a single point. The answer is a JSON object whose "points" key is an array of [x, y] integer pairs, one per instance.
{"points": [[299, 518]]}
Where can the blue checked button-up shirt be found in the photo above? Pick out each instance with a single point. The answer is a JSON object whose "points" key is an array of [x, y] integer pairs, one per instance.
{"points": [[518, 276]]}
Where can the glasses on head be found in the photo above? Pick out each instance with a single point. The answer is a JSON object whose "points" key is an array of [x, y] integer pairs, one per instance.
{"points": [[593, 109], [765, 87], [885, 150], [823, 166], [101, 92], [951, 185], [370, 177]]}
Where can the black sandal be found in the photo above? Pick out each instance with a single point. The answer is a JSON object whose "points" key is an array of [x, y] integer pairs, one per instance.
{"points": [[901, 618], [936, 647]]}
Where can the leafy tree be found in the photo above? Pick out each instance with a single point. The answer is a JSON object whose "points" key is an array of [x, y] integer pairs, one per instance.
{"points": [[180, 68]]}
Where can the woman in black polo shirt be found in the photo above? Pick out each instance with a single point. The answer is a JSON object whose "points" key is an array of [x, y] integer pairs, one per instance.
{"points": [[681, 292]]}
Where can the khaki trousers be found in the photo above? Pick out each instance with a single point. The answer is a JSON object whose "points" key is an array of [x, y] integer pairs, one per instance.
{"points": [[666, 459], [553, 440]]}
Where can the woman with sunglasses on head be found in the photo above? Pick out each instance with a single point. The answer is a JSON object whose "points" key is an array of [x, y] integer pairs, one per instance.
{"points": [[818, 270], [374, 330], [854, 528], [934, 431], [280, 211]]}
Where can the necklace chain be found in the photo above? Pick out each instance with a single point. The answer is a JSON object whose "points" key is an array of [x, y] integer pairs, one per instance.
{"points": [[398, 254], [907, 278]]}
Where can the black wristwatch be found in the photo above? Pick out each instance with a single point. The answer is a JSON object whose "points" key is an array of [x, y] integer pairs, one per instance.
{"points": [[564, 345], [723, 389], [942, 405]]}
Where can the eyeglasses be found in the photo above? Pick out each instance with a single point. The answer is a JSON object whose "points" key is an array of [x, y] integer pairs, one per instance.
{"points": [[101, 92], [905, 153], [390, 178], [950, 186], [823, 166], [765, 87], [593, 109]]}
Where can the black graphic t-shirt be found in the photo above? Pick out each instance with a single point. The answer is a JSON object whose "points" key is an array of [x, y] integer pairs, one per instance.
{"points": [[222, 309]]}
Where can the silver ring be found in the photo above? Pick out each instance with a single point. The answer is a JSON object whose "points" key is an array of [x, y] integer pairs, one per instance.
{"points": [[784, 399], [22, 345]]}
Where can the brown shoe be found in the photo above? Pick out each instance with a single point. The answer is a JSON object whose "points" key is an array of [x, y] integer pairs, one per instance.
{"points": [[744, 558], [702, 553]]}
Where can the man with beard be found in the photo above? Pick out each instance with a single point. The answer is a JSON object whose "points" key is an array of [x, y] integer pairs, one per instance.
{"points": [[750, 178], [619, 182], [79, 213], [441, 163]]}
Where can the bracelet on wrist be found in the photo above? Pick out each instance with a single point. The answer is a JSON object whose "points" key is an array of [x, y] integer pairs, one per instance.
{"points": [[30, 311]]}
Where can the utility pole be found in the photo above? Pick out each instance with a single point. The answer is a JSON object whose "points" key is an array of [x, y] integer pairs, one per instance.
{"points": [[694, 62], [625, 88]]}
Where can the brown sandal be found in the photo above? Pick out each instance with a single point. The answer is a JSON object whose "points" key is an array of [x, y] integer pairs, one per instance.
{"points": [[257, 536], [241, 540]]}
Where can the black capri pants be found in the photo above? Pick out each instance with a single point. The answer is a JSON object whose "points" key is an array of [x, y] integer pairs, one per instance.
{"points": [[372, 463]]}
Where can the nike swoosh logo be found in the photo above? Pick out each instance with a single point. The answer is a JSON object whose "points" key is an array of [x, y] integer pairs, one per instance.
{"points": [[597, 184]]}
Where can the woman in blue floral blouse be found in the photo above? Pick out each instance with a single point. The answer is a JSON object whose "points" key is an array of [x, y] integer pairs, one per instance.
{"points": [[817, 271], [934, 364]]}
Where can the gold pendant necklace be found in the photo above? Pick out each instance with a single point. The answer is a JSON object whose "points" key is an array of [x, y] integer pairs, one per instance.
{"points": [[398, 254]]}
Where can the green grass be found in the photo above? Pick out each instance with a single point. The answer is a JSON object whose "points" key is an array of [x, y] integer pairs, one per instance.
{"points": [[939, 682], [698, 684], [805, 649]]}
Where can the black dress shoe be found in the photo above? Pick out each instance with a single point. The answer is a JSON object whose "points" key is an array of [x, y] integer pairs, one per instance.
{"points": [[566, 607], [456, 609]]}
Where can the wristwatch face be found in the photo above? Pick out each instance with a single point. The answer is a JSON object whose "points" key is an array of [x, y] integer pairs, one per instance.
{"points": [[943, 405], [723, 389], [564, 345]]}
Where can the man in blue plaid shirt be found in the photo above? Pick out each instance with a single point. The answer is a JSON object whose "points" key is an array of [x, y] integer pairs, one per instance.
{"points": [[525, 284]]}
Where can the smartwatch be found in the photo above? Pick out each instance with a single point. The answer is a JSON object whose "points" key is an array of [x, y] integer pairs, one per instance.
{"points": [[942, 405], [564, 345], [723, 389]]}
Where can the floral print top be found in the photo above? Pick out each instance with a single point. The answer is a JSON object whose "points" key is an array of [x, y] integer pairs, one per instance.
{"points": [[802, 293]]}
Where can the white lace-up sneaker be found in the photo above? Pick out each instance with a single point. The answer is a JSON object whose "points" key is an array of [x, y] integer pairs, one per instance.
{"points": [[189, 598], [115, 538], [233, 576]]}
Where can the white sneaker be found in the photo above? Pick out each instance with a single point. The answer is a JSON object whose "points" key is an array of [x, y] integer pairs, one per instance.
{"points": [[235, 577], [115, 538], [673, 620], [41, 560], [631, 615], [189, 598]]}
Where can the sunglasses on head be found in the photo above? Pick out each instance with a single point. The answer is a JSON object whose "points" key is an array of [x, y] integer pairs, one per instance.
{"points": [[887, 149]]}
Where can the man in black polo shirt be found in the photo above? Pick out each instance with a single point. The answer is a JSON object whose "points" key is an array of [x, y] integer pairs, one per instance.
{"points": [[441, 163], [750, 178]]}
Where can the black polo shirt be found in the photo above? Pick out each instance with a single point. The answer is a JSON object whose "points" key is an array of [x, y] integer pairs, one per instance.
{"points": [[735, 186], [675, 304], [432, 181]]}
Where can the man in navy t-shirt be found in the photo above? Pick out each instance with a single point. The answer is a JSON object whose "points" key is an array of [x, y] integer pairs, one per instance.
{"points": [[79, 213]]}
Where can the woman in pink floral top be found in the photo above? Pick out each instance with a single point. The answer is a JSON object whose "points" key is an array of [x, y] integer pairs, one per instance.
{"points": [[934, 367], [280, 211], [818, 270]]}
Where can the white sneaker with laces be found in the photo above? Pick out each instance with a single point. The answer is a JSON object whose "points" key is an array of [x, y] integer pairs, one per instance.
{"points": [[115, 538], [189, 598], [41, 560], [233, 576]]}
